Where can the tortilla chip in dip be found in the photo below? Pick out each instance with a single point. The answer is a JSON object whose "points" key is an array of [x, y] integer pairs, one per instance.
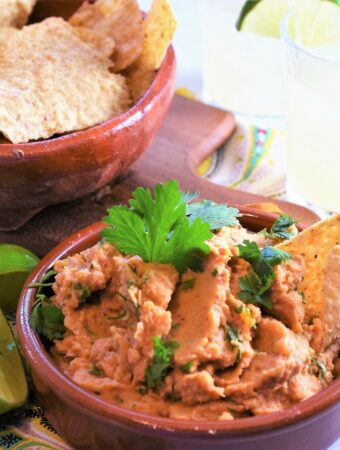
{"points": [[14, 13], [52, 82], [120, 20], [104, 44], [315, 245], [331, 296]]}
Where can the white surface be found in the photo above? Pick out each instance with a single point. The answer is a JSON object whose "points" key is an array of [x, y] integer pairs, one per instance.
{"points": [[189, 52]]}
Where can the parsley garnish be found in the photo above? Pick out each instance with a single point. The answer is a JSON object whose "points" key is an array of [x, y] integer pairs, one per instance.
{"points": [[83, 290], [320, 365], [157, 229], [185, 368], [161, 363], [256, 283], [214, 273], [235, 338], [96, 371], [280, 227], [217, 215], [46, 318], [187, 284]]}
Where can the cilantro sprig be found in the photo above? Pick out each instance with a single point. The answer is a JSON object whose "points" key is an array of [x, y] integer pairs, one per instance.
{"points": [[256, 283], [217, 215], [46, 318], [280, 228], [161, 363]]}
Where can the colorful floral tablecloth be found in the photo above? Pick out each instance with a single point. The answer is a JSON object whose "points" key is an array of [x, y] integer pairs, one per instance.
{"points": [[252, 160]]}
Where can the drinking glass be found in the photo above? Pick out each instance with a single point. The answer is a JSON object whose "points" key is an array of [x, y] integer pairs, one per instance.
{"points": [[313, 121], [242, 71]]}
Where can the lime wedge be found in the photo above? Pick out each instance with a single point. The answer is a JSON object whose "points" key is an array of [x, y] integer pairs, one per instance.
{"points": [[13, 384], [16, 263], [313, 22]]}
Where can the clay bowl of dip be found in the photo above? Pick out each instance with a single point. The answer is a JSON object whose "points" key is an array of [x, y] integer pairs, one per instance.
{"points": [[37, 174], [88, 422]]}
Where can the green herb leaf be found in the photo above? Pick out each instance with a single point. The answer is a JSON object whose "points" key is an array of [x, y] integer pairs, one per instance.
{"points": [[217, 215], [161, 363], [214, 273], [252, 290], [320, 365], [233, 335], [157, 229], [187, 284], [256, 284], [280, 227], [83, 290], [46, 318], [185, 368], [96, 371]]}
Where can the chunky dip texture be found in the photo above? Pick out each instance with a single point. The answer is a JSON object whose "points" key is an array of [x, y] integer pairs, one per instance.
{"points": [[187, 346]]}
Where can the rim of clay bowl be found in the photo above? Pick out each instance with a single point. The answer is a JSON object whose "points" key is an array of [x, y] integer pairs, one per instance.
{"points": [[70, 392], [127, 118]]}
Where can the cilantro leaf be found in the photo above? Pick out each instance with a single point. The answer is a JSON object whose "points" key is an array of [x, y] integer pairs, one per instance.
{"points": [[256, 284], [252, 290], [188, 196], [280, 226], [185, 368], [217, 215], [46, 318], [161, 363], [157, 229]]}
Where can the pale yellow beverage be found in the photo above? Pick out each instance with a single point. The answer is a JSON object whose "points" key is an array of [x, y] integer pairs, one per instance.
{"points": [[242, 71], [313, 123]]}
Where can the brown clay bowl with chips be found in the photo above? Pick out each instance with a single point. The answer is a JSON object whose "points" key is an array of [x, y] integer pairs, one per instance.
{"points": [[42, 173], [87, 422]]}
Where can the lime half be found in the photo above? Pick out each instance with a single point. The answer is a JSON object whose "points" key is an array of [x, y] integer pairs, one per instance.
{"points": [[312, 23], [13, 384], [16, 263]]}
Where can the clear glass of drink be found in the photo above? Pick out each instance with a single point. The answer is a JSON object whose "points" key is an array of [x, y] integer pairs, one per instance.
{"points": [[242, 71], [312, 77]]}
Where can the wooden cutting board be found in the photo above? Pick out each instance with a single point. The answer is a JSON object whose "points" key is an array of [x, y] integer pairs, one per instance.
{"points": [[190, 132]]}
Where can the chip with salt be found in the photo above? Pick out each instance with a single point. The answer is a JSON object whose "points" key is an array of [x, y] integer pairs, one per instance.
{"points": [[119, 19], [14, 13], [315, 244], [159, 28], [52, 82], [102, 43]]}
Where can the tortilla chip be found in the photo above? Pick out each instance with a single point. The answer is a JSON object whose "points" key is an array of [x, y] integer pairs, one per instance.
{"points": [[314, 244], [14, 13], [331, 296], [159, 28], [102, 43], [52, 82], [119, 19]]}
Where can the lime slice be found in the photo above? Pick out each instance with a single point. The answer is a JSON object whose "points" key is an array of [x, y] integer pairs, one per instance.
{"points": [[15, 265], [13, 384], [313, 22]]}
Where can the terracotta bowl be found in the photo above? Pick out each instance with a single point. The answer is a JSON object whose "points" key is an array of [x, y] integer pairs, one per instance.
{"points": [[87, 422], [42, 173]]}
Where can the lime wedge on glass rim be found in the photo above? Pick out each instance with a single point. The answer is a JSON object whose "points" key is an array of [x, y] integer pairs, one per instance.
{"points": [[313, 22], [13, 384], [16, 263]]}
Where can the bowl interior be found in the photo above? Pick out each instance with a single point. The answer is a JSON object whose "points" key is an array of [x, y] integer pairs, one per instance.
{"points": [[41, 361]]}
